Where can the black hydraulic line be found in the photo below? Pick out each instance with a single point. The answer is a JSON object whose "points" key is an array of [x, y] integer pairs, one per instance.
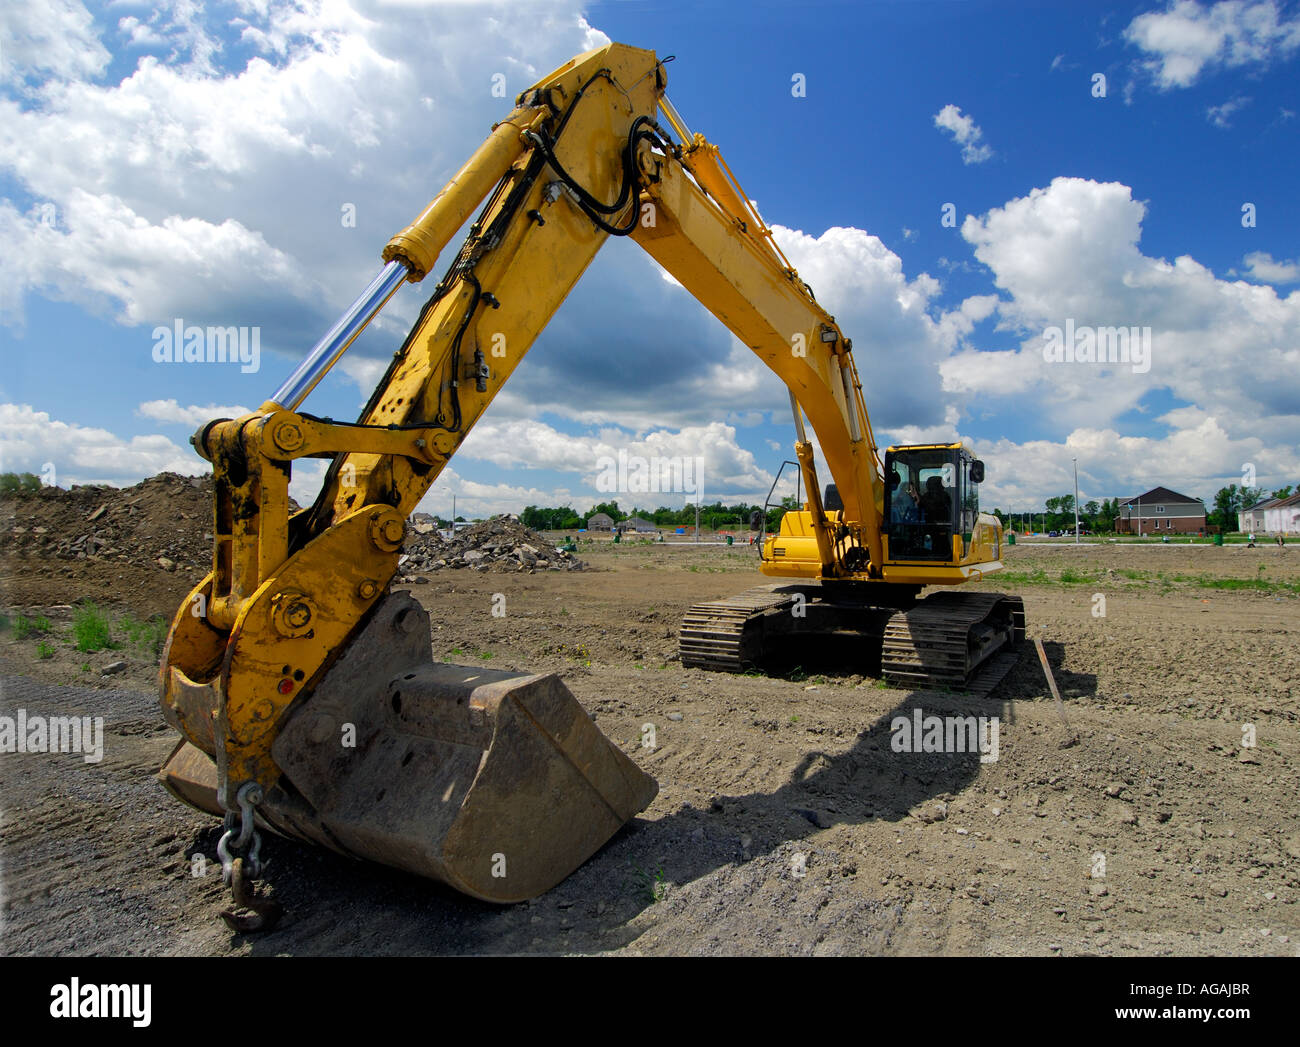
{"points": [[591, 206]]}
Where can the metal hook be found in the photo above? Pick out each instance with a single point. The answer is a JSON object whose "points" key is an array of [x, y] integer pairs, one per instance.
{"points": [[265, 912]]}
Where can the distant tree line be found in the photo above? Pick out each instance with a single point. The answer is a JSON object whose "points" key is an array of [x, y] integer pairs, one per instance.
{"points": [[1057, 514], [713, 516], [19, 483], [1231, 500]]}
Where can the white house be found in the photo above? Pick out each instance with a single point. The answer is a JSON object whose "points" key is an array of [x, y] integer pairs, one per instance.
{"points": [[1251, 521], [1272, 516]]}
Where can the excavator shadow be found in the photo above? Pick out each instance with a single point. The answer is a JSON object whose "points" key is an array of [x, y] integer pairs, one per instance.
{"points": [[830, 656], [335, 905], [889, 774]]}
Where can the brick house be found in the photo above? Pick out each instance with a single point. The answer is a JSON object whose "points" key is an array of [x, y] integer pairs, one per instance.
{"points": [[1161, 511]]}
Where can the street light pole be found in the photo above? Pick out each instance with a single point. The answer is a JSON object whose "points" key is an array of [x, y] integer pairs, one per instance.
{"points": [[1076, 500]]}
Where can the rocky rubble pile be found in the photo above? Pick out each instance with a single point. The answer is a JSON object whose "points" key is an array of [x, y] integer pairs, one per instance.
{"points": [[164, 522], [499, 544]]}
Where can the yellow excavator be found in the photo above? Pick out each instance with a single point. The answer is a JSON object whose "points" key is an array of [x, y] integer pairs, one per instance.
{"points": [[303, 686]]}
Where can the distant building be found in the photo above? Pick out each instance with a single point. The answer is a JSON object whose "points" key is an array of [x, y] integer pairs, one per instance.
{"points": [[638, 524], [1283, 518], [1272, 516], [1252, 520], [1160, 511], [600, 522]]}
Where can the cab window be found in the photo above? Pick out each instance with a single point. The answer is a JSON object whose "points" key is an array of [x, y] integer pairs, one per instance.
{"points": [[922, 504]]}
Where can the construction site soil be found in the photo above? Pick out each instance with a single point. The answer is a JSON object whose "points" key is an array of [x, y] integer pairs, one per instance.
{"points": [[786, 822]]}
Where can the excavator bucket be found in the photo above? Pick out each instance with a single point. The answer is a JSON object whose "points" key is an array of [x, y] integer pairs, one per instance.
{"points": [[496, 783]]}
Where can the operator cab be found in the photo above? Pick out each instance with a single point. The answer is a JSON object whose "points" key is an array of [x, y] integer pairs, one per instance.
{"points": [[931, 497]]}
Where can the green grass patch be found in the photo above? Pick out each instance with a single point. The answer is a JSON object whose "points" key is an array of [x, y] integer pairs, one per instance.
{"points": [[44, 650], [1165, 582], [90, 628], [1035, 577], [1258, 585], [651, 888], [25, 627], [1073, 577], [147, 636]]}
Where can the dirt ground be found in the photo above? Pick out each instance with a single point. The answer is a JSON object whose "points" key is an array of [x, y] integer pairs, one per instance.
{"points": [[785, 822]]}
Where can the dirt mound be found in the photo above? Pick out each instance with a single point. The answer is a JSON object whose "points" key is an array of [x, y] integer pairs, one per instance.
{"points": [[164, 522], [145, 546], [499, 544]]}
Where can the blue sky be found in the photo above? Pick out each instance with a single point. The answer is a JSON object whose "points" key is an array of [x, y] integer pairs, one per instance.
{"points": [[191, 161]]}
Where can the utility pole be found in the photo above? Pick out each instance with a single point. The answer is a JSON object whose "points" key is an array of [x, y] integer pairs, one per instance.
{"points": [[1076, 500], [697, 519]]}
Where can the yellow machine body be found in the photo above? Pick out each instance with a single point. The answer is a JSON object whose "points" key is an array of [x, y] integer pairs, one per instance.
{"points": [[291, 605]]}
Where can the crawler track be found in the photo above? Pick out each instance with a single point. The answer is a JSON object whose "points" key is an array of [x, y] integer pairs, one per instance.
{"points": [[726, 635], [944, 639], [950, 640]]}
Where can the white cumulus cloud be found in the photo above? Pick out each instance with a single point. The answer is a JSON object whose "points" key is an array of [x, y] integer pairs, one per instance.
{"points": [[169, 411], [1260, 265], [31, 439], [1187, 38], [56, 38], [1070, 252], [965, 132], [1221, 115]]}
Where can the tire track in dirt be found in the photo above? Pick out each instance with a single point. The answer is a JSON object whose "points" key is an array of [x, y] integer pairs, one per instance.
{"points": [[83, 841]]}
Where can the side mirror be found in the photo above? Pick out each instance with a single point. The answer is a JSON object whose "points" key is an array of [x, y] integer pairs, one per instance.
{"points": [[894, 479], [756, 520], [977, 472]]}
